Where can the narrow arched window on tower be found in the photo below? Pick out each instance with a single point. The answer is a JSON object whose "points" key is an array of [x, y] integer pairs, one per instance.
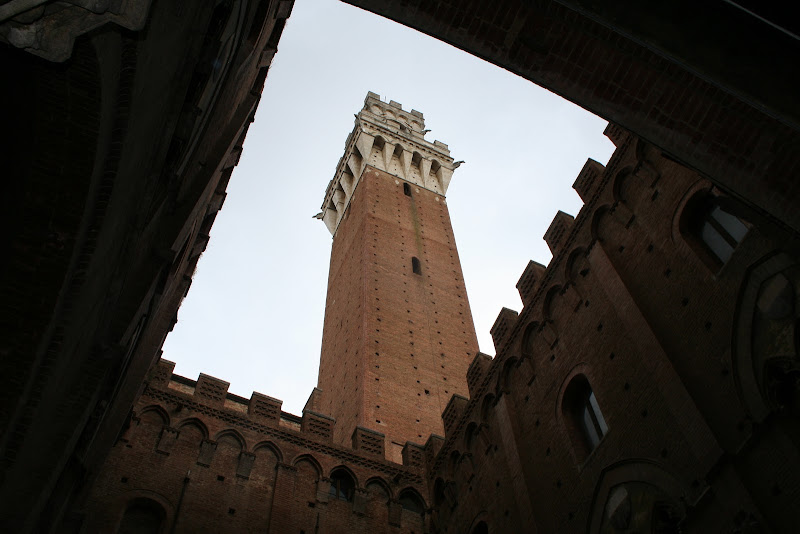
{"points": [[407, 190], [415, 265]]}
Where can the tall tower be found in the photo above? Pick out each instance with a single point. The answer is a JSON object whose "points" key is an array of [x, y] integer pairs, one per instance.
{"points": [[398, 335]]}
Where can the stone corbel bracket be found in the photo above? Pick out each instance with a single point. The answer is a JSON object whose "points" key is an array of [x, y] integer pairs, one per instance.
{"points": [[48, 29]]}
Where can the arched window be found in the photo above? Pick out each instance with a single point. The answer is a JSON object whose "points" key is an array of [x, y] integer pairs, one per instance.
{"points": [[710, 224], [407, 190], [343, 486], [583, 417], [142, 516], [377, 490], [480, 528], [415, 266], [412, 502]]}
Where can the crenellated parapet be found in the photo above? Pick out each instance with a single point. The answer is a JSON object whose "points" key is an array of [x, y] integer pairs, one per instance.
{"points": [[392, 140], [209, 396]]}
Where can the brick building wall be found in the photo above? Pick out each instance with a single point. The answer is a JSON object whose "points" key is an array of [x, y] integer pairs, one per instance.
{"points": [[671, 345], [198, 459], [125, 141]]}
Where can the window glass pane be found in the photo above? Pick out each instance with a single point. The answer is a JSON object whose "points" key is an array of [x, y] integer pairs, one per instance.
{"points": [[589, 429], [598, 415], [735, 228], [712, 238]]}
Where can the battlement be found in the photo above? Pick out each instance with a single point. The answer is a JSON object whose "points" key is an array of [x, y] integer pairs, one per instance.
{"points": [[261, 409], [392, 140], [502, 327], [569, 238]]}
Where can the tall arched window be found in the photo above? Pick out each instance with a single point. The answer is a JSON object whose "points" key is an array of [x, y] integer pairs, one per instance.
{"points": [[710, 225], [585, 422], [407, 190], [343, 486]]}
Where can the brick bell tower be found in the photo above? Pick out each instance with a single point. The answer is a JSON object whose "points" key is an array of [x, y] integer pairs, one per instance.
{"points": [[398, 334]]}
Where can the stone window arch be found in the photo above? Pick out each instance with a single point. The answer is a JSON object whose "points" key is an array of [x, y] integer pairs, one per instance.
{"points": [[766, 349], [343, 485], [636, 495], [470, 435], [585, 423], [411, 501], [528, 347], [378, 489], [712, 229]]}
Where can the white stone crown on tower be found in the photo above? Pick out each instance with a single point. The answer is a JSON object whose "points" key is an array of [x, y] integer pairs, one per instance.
{"points": [[391, 140]]}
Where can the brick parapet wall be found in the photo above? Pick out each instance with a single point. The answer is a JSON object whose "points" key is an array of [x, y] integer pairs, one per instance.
{"points": [[238, 411]]}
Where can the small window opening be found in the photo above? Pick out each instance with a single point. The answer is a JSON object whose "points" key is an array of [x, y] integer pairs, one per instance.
{"points": [[342, 485], [415, 265], [407, 190]]}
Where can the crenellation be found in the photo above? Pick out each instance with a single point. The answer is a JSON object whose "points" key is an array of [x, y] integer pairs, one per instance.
{"points": [[452, 413], [264, 408], [320, 426], [413, 455], [558, 231], [211, 389], [588, 179], [478, 370], [616, 134], [162, 372], [369, 441], [530, 280], [502, 327]]}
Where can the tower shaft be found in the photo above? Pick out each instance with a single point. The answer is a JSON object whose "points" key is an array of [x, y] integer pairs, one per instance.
{"points": [[398, 335]]}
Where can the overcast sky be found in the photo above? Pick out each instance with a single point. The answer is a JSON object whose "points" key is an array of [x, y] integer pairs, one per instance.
{"points": [[254, 314]]}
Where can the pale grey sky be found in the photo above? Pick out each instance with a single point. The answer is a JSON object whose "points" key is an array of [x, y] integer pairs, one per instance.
{"points": [[254, 313]]}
